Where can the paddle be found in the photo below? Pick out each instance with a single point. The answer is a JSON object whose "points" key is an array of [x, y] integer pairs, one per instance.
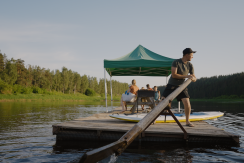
{"points": [[119, 146]]}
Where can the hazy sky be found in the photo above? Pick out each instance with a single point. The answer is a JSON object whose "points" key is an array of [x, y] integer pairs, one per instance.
{"points": [[81, 34]]}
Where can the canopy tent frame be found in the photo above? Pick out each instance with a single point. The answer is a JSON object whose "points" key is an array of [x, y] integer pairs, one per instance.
{"points": [[137, 71], [140, 62]]}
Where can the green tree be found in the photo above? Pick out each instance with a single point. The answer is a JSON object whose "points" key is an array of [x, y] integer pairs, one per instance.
{"points": [[71, 80], [57, 81], [84, 83], [77, 82], [90, 81], [10, 72], [95, 84], [64, 78], [101, 87], [1, 63], [22, 72], [38, 76], [47, 80], [29, 77]]}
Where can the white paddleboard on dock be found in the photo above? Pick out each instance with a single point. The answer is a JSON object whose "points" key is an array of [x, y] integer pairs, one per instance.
{"points": [[195, 116]]}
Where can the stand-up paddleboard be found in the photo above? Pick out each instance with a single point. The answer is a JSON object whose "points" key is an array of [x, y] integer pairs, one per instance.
{"points": [[196, 116]]}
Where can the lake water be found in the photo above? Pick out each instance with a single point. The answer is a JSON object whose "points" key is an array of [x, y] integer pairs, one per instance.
{"points": [[26, 135]]}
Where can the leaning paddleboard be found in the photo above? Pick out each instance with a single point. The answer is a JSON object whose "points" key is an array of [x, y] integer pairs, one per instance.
{"points": [[196, 116]]}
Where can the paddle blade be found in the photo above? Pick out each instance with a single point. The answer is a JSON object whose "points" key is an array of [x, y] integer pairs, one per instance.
{"points": [[102, 152]]}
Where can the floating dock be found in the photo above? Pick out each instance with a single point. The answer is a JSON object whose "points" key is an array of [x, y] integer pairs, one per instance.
{"points": [[101, 127]]}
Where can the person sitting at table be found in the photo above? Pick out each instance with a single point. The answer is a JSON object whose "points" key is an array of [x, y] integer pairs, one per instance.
{"points": [[157, 94], [131, 97], [124, 94], [148, 87]]}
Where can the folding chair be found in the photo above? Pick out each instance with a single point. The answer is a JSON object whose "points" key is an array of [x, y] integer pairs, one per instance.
{"points": [[145, 93]]}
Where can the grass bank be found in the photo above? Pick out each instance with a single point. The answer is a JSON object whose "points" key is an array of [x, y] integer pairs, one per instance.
{"points": [[82, 97], [47, 97], [220, 100]]}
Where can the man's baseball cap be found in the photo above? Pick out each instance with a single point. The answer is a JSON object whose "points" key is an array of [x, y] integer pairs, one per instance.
{"points": [[188, 51]]}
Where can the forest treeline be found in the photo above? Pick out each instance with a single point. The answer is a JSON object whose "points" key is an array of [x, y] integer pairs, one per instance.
{"points": [[16, 77], [222, 86], [217, 87]]}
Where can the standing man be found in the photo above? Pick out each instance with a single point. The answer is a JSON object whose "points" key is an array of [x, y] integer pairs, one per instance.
{"points": [[180, 70]]}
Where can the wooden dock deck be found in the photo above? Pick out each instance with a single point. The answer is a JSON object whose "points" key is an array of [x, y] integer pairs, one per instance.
{"points": [[102, 127]]}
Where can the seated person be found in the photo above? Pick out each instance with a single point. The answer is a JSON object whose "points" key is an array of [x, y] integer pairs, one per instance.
{"points": [[131, 97], [124, 94], [157, 94], [148, 88]]}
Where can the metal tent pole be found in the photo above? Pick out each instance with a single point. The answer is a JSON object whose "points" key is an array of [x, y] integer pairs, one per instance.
{"points": [[179, 106], [105, 89], [111, 93]]}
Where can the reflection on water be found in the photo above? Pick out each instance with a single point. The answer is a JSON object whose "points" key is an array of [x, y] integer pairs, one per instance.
{"points": [[26, 129], [26, 135]]}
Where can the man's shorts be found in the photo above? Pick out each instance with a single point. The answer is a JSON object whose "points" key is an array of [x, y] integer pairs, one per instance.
{"points": [[170, 88]]}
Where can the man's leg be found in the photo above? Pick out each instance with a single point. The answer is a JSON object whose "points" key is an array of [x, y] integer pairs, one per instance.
{"points": [[162, 98], [121, 101], [187, 107]]}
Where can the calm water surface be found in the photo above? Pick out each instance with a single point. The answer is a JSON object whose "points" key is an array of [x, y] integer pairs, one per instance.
{"points": [[26, 135]]}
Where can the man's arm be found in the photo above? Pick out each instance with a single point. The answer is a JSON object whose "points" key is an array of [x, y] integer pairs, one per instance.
{"points": [[178, 76]]}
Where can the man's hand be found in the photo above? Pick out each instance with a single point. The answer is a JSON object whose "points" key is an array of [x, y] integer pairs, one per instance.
{"points": [[189, 76], [192, 77]]}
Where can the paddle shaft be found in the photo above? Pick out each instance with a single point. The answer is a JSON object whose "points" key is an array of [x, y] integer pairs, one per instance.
{"points": [[119, 146]]}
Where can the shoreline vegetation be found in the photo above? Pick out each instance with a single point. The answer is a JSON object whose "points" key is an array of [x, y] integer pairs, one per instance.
{"points": [[220, 100], [84, 98], [50, 97], [25, 82]]}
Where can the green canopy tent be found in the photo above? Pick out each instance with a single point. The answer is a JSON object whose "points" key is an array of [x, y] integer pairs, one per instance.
{"points": [[139, 62]]}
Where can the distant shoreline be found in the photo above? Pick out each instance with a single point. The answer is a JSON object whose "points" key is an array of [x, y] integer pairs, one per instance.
{"points": [[46, 97], [219, 100], [80, 98]]}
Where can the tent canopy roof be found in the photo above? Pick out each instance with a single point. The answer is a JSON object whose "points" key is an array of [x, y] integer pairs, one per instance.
{"points": [[140, 62]]}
